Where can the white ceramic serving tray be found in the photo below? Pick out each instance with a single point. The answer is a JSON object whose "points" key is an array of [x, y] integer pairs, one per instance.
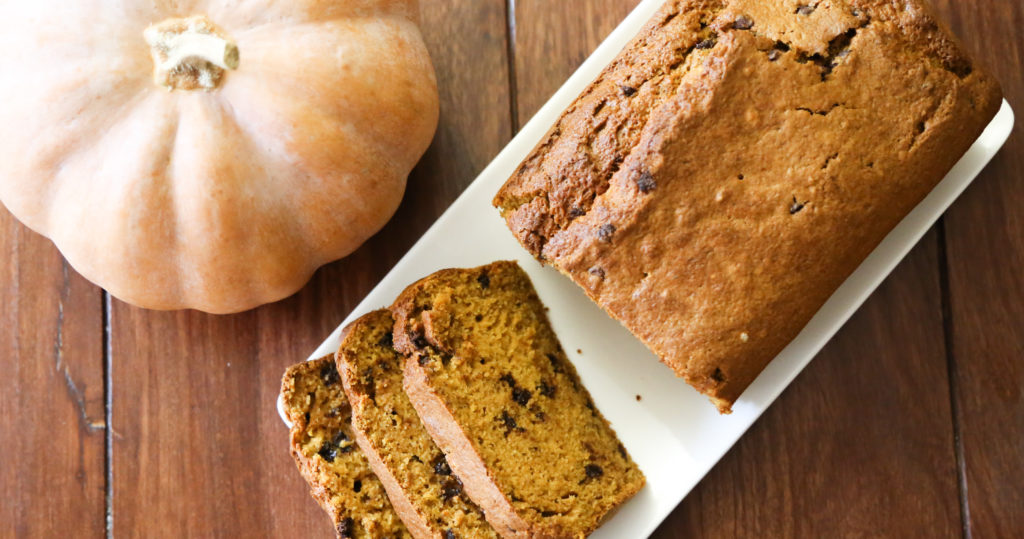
{"points": [[673, 433]]}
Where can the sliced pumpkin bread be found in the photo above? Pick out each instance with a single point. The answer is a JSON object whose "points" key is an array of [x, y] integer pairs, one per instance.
{"points": [[494, 388], [323, 445], [425, 493]]}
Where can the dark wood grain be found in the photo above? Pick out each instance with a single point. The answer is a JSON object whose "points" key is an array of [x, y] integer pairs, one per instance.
{"points": [[985, 249], [552, 39], [200, 450], [52, 425], [862, 443], [874, 438]]}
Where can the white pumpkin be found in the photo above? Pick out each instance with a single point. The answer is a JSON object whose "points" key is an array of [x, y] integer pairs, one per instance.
{"points": [[215, 160]]}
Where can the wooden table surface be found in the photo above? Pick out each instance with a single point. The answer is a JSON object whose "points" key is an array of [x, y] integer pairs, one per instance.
{"points": [[116, 420]]}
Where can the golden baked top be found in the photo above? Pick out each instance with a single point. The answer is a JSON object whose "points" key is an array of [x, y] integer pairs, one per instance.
{"points": [[737, 161]]}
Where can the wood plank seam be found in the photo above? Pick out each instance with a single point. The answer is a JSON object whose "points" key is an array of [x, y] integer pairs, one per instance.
{"points": [[108, 441], [947, 332], [74, 393], [510, 56]]}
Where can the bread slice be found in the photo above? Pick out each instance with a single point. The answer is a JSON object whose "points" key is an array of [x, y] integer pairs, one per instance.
{"points": [[327, 456], [493, 387], [425, 493]]}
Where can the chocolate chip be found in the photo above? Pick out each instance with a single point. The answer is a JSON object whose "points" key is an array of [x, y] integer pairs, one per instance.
{"points": [[448, 534], [743, 23], [627, 90], [605, 232], [774, 55], [328, 451], [484, 280], [368, 384], [509, 422], [441, 466], [706, 44], [795, 207], [340, 438], [547, 390], [548, 513], [596, 272], [521, 396], [423, 360], [556, 364], [387, 340], [507, 378], [645, 182], [718, 376], [594, 471], [541, 416], [805, 10], [419, 341], [346, 528], [451, 488], [329, 374], [357, 486], [575, 212]]}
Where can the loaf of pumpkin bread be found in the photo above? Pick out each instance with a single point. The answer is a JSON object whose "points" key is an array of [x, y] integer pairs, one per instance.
{"points": [[495, 390], [425, 493], [323, 445], [737, 161]]}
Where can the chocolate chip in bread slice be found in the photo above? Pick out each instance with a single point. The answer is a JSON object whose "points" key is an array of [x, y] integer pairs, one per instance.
{"points": [[494, 388], [325, 451], [425, 493]]}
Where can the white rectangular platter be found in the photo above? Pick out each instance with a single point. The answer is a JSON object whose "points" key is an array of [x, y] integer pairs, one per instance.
{"points": [[673, 433]]}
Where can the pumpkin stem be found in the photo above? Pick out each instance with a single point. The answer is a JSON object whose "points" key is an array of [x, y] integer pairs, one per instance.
{"points": [[190, 53]]}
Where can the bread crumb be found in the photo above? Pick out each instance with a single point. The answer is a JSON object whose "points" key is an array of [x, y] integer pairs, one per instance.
{"points": [[639, 398]]}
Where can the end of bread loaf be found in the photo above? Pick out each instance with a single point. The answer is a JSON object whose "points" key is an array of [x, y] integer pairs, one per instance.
{"points": [[736, 163], [323, 445], [495, 390]]}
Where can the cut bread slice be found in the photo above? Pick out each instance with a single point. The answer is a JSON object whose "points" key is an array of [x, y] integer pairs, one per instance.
{"points": [[494, 388], [425, 493], [323, 445]]}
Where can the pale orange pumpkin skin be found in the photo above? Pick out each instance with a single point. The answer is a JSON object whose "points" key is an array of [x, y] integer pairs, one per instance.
{"points": [[216, 200]]}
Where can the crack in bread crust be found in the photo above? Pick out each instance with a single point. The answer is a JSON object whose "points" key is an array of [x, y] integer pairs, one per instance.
{"points": [[797, 138]]}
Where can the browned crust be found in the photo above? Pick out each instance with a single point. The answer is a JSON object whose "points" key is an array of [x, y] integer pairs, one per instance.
{"points": [[343, 507], [463, 459], [441, 423], [307, 468], [720, 301], [412, 518], [405, 304]]}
